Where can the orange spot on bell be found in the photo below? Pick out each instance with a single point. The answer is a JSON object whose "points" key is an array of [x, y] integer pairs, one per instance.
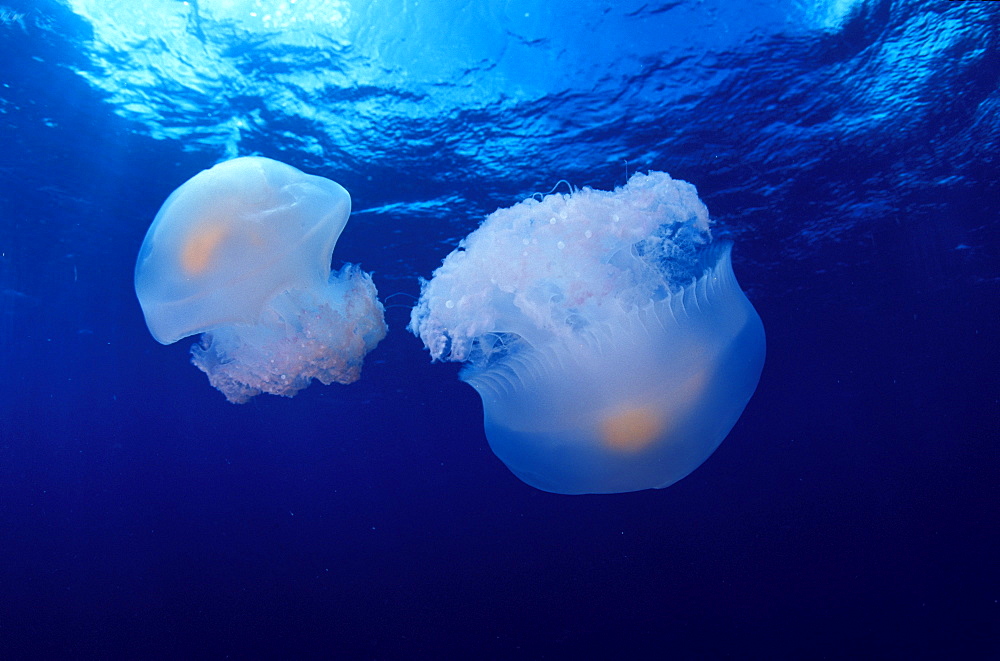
{"points": [[631, 430], [199, 249]]}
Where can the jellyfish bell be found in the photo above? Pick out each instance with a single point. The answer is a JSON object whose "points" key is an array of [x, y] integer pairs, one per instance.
{"points": [[605, 333], [241, 252], [634, 405], [230, 237]]}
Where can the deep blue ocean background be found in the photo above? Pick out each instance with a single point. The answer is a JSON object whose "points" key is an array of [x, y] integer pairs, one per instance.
{"points": [[850, 149]]}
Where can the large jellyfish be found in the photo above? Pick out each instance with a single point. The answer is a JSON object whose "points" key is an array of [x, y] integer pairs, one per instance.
{"points": [[241, 253], [606, 334]]}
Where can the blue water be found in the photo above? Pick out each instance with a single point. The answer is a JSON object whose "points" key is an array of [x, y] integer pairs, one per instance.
{"points": [[849, 150]]}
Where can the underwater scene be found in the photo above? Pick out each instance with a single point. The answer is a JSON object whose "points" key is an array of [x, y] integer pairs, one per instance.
{"points": [[499, 329]]}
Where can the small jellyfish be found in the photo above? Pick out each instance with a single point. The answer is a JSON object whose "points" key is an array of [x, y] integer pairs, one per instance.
{"points": [[241, 253], [605, 333]]}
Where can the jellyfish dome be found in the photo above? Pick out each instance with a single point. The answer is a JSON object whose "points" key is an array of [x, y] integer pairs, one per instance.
{"points": [[605, 332], [241, 253]]}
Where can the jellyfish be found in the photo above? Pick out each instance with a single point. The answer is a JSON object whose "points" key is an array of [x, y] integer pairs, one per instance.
{"points": [[241, 253], [605, 333]]}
